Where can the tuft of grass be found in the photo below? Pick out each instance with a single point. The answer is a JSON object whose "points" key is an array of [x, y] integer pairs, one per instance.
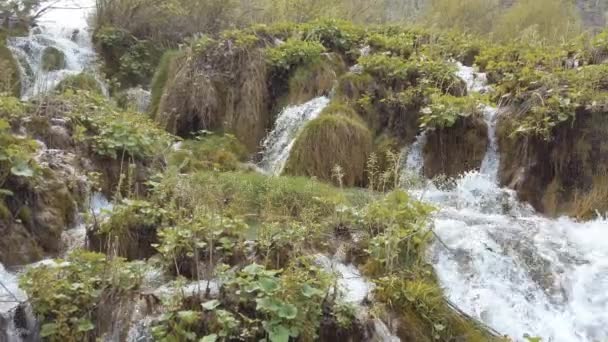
{"points": [[328, 141]]}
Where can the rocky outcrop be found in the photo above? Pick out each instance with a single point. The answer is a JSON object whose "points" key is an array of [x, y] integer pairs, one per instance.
{"points": [[566, 174], [455, 150]]}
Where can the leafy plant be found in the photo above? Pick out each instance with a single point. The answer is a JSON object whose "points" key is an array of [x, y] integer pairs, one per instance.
{"points": [[294, 53], [65, 294], [445, 110]]}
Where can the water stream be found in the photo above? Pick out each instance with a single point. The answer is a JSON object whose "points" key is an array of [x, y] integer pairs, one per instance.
{"points": [[64, 28], [278, 144], [510, 267]]}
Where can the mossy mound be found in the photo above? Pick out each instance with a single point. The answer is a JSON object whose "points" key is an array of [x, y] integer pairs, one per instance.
{"points": [[82, 81], [566, 174], [52, 59], [451, 151], [330, 141], [165, 70], [10, 77], [316, 79]]}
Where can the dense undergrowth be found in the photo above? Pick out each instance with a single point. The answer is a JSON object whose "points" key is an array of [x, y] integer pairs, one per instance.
{"points": [[252, 245]]}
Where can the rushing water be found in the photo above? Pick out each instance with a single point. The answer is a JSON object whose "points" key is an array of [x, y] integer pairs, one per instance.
{"points": [[64, 28], [278, 144], [517, 271]]}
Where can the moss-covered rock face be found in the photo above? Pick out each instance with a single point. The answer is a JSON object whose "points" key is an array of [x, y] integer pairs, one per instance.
{"points": [[316, 79], [35, 218], [224, 88], [330, 141], [567, 174], [451, 151], [82, 81], [52, 59]]}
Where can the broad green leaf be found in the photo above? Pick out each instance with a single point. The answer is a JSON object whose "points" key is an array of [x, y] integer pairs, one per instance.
{"points": [[211, 305], [48, 329], [278, 333], [22, 170], [288, 311], [209, 338]]}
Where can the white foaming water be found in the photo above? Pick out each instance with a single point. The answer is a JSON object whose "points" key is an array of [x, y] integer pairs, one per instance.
{"points": [[415, 156], [64, 28], [278, 144], [513, 269], [11, 297]]}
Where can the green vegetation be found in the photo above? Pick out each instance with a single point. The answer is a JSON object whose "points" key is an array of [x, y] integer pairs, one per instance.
{"points": [[82, 81], [10, 78], [331, 142], [52, 59], [66, 296]]}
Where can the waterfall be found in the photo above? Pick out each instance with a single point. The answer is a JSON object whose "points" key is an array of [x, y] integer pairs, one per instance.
{"points": [[278, 144], [16, 319], [63, 28], [508, 266]]}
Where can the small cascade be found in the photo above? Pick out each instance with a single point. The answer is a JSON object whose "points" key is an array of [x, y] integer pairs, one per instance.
{"points": [[16, 319], [414, 163], [491, 161], [278, 144], [504, 264], [62, 29], [76, 237]]}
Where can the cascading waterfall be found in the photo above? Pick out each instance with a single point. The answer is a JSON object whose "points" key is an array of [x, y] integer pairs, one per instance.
{"points": [[278, 144], [511, 268], [65, 28]]}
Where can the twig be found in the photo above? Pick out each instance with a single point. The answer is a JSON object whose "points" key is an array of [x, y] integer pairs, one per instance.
{"points": [[11, 294]]}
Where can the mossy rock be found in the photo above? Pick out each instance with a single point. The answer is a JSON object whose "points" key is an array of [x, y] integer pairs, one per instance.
{"points": [[82, 81], [10, 76], [328, 141], [312, 80], [166, 67], [567, 174], [53, 59]]}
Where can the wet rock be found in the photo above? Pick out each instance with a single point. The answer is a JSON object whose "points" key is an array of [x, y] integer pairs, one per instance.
{"points": [[456, 150], [53, 59]]}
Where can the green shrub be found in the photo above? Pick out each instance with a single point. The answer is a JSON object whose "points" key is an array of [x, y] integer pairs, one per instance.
{"points": [[445, 110], [111, 132], [65, 295], [209, 152], [16, 155], [336, 35], [294, 53]]}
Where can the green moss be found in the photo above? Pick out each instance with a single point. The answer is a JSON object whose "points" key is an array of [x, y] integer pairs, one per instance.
{"points": [[10, 76], [5, 213], [82, 81], [25, 215], [210, 152], [315, 79], [160, 79], [330, 141], [52, 59], [294, 53]]}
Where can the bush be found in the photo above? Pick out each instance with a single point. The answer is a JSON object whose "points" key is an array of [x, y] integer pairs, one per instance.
{"points": [[66, 294], [445, 110], [209, 152], [294, 53]]}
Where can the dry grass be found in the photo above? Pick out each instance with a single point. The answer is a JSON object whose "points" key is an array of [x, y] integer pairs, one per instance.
{"points": [[588, 205]]}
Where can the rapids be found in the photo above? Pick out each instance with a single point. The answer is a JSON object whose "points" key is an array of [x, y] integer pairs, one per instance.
{"points": [[510, 267]]}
